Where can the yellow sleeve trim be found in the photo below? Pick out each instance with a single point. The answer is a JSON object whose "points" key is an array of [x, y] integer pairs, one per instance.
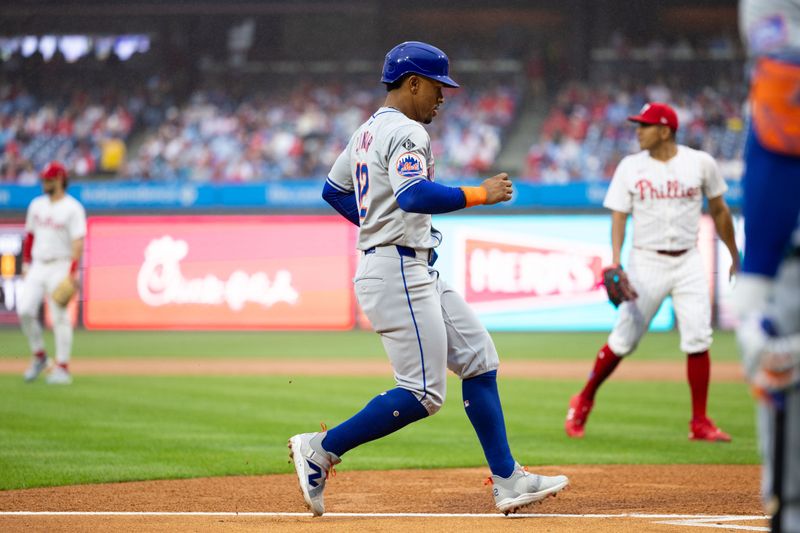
{"points": [[474, 195]]}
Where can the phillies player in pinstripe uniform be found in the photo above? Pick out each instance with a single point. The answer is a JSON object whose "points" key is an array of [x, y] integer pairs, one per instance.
{"points": [[56, 225], [383, 183], [662, 188]]}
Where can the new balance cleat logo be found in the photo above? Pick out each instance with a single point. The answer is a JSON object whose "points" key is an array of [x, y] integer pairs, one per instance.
{"points": [[313, 478]]}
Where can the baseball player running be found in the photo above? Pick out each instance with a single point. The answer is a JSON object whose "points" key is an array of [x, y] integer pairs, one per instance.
{"points": [[56, 225], [767, 293], [383, 182], [662, 187]]}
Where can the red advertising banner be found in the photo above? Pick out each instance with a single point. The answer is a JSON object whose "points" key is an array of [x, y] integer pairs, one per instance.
{"points": [[11, 282], [500, 272], [219, 272], [11, 236]]}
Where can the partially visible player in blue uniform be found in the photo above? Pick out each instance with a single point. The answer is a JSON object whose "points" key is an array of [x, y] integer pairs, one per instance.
{"points": [[771, 30], [767, 293], [383, 183]]}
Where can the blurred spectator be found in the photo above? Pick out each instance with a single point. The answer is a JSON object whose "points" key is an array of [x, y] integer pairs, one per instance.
{"points": [[112, 154], [299, 133], [294, 128], [586, 132], [76, 124], [648, 48]]}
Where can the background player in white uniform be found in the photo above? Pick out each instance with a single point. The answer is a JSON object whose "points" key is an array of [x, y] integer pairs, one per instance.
{"points": [[55, 225], [767, 293], [383, 182], [662, 187]]}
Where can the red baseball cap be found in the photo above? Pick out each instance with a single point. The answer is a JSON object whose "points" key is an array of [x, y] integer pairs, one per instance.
{"points": [[54, 170], [657, 113]]}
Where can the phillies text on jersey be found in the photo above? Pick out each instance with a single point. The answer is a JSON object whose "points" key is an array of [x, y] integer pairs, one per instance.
{"points": [[665, 197]]}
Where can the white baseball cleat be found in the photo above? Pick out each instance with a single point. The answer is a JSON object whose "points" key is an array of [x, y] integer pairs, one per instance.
{"points": [[312, 464], [59, 376], [37, 366], [522, 488]]}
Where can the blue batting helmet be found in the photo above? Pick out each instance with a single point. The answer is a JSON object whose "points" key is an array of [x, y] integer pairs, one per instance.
{"points": [[414, 57]]}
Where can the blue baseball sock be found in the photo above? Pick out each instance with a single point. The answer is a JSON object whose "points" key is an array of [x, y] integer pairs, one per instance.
{"points": [[482, 404], [384, 414]]}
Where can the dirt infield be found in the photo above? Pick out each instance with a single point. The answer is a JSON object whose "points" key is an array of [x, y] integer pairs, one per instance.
{"points": [[615, 491], [603, 499]]}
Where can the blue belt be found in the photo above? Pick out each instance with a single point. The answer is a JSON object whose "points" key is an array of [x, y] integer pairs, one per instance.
{"points": [[402, 250], [409, 252]]}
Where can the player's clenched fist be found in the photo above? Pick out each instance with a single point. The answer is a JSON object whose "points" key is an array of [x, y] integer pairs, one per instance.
{"points": [[498, 189]]}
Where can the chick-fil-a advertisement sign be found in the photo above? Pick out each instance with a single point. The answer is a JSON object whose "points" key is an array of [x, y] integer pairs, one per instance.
{"points": [[219, 272]]}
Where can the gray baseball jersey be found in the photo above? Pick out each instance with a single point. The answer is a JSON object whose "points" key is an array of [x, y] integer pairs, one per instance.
{"points": [[385, 156], [426, 327]]}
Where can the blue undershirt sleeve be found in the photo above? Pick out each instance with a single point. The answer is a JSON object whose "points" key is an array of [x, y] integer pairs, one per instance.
{"points": [[431, 198], [343, 201]]}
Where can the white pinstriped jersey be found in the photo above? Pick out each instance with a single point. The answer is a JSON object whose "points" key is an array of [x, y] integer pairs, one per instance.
{"points": [[385, 156], [54, 226], [665, 199], [770, 26]]}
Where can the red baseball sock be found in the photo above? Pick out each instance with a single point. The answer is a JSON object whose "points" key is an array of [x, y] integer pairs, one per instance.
{"points": [[40, 354], [604, 365], [698, 371], [65, 366]]}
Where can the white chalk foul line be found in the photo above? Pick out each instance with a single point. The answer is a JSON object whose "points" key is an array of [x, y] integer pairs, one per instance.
{"points": [[715, 522], [699, 520]]}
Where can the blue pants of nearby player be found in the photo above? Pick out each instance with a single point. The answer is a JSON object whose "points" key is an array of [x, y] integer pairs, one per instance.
{"points": [[771, 207]]}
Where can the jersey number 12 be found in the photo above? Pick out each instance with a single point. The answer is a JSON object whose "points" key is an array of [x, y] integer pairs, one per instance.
{"points": [[362, 178]]}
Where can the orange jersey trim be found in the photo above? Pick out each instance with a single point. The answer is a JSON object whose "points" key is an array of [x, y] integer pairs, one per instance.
{"points": [[775, 105]]}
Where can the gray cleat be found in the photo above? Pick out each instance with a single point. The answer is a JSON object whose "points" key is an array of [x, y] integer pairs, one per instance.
{"points": [[312, 464], [522, 488], [37, 366], [58, 376]]}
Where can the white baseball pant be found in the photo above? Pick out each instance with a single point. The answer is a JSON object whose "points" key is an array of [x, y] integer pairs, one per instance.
{"points": [[40, 281], [656, 276]]}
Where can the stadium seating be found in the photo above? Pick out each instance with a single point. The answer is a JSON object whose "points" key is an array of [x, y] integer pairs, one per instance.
{"points": [[216, 135], [296, 130], [586, 133], [86, 127]]}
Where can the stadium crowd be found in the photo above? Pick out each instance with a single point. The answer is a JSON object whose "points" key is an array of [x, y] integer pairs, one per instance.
{"points": [[216, 137], [223, 133], [219, 135], [586, 132], [85, 126]]}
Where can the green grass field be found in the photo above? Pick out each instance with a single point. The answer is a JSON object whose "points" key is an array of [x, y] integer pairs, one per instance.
{"points": [[344, 344], [115, 428]]}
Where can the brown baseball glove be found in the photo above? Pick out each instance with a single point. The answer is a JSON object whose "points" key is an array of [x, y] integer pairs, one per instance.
{"points": [[617, 285], [64, 291]]}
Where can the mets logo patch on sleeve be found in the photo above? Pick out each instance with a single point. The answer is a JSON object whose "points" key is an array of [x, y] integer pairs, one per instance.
{"points": [[410, 165]]}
